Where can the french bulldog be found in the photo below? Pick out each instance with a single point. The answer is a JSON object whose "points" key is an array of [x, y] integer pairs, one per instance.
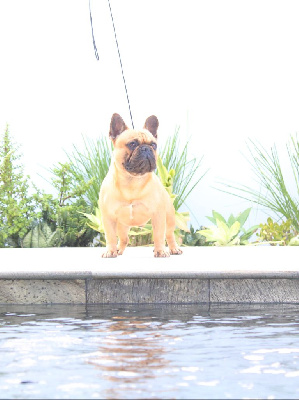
{"points": [[132, 194]]}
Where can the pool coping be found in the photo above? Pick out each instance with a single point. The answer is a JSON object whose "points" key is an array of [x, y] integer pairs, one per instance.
{"points": [[136, 263], [201, 274]]}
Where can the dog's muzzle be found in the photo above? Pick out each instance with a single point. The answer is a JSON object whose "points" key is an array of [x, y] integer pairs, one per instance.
{"points": [[141, 161]]}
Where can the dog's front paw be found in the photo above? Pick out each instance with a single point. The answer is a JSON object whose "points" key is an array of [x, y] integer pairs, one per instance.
{"points": [[161, 253], [175, 251], [109, 254]]}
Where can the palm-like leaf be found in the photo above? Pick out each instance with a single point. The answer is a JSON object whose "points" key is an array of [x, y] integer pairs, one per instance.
{"points": [[91, 163], [176, 159], [274, 194]]}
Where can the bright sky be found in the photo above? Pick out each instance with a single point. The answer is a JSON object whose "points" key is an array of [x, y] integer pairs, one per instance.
{"points": [[224, 70]]}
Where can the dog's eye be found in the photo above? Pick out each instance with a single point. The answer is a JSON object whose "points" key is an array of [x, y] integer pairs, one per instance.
{"points": [[154, 145], [132, 145]]}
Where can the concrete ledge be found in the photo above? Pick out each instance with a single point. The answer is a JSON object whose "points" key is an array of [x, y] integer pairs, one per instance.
{"points": [[32, 291], [148, 291], [201, 275]]}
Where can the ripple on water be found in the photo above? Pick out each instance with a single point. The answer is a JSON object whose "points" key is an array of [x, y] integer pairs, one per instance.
{"points": [[149, 352]]}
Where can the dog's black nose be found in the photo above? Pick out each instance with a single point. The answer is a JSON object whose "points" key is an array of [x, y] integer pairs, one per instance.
{"points": [[146, 149]]}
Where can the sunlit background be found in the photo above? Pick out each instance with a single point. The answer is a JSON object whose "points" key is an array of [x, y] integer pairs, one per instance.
{"points": [[223, 71]]}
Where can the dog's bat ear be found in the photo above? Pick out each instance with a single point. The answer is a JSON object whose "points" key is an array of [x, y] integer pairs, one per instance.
{"points": [[117, 126], [152, 124]]}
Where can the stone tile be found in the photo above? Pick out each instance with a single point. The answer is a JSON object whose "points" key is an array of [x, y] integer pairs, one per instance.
{"points": [[42, 291], [147, 291], [254, 290]]}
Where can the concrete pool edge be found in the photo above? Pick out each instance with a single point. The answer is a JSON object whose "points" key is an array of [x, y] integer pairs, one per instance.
{"points": [[201, 275]]}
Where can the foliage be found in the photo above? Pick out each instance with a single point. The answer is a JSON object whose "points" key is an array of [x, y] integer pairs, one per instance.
{"points": [[40, 236], [294, 241], [230, 232], [222, 235], [274, 193], [61, 215], [43, 220], [139, 236], [194, 238], [185, 169], [17, 207], [95, 222], [91, 164], [166, 177], [40, 219], [274, 233]]}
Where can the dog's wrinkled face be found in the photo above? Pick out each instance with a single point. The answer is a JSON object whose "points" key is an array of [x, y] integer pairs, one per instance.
{"points": [[141, 153], [135, 151]]}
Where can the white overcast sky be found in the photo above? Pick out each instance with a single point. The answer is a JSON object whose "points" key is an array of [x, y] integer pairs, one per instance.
{"points": [[223, 70]]}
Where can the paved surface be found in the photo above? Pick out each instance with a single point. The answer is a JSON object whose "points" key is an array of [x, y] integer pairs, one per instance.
{"points": [[261, 274]]}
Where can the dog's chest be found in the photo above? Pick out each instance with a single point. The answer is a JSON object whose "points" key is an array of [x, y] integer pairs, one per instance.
{"points": [[133, 214]]}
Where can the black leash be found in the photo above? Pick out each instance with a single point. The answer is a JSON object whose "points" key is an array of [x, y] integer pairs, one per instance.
{"points": [[94, 43], [121, 65]]}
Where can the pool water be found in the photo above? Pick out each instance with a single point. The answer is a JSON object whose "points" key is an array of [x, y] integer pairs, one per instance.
{"points": [[149, 351]]}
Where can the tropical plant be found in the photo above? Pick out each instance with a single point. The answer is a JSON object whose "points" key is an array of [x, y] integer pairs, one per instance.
{"points": [[40, 235], [275, 233], [17, 207], [230, 232], [274, 193], [167, 178], [194, 238], [92, 163], [175, 158]]}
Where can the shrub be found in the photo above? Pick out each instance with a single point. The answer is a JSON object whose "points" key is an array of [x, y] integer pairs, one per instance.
{"points": [[17, 207], [40, 219], [59, 220], [277, 233]]}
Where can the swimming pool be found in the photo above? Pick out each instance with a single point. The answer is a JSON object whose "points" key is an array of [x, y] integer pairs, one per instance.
{"points": [[149, 351]]}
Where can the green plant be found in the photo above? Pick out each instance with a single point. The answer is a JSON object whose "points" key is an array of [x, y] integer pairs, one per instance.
{"points": [[17, 207], [40, 235], [58, 219], [277, 233], [167, 178], [294, 241], [91, 164], [175, 158], [274, 194], [194, 238], [230, 232]]}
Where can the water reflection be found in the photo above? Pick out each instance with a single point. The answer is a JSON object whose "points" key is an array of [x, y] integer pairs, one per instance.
{"points": [[131, 354]]}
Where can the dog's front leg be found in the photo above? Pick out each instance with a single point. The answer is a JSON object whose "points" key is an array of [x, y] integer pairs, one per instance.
{"points": [[111, 238], [159, 229]]}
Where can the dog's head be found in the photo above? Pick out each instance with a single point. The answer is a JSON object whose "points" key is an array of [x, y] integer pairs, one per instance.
{"points": [[135, 151]]}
